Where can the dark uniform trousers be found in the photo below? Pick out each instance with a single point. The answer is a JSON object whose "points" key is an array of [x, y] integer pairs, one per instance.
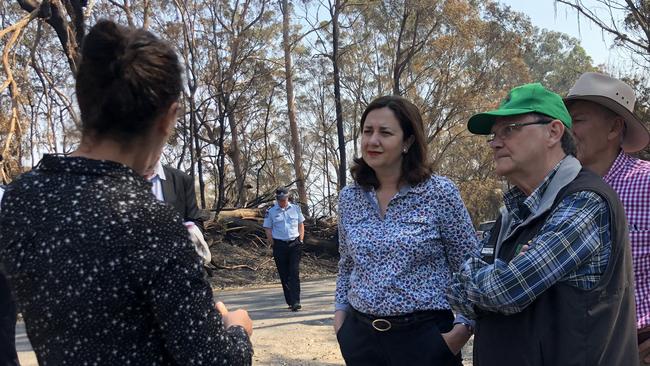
{"points": [[286, 254]]}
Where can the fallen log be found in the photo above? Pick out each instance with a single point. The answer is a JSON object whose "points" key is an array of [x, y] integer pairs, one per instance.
{"points": [[230, 223], [319, 238], [318, 246], [242, 213]]}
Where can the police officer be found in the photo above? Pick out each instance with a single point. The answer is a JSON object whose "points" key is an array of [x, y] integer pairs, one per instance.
{"points": [[285, 232]]}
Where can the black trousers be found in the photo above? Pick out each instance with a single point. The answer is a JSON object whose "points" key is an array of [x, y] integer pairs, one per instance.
{"points": [[287, 259], [416, 344], [8, 356]]}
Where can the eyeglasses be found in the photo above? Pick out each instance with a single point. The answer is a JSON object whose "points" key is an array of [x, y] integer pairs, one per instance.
{"points": [[506, 131]]}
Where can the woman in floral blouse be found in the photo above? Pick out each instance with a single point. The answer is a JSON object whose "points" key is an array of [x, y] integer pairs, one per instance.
{"points": [[402, 232], [104, 273]]}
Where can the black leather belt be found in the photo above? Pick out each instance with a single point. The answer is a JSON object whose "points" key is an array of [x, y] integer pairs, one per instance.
{"points": [[386, 323], [285, 241]]}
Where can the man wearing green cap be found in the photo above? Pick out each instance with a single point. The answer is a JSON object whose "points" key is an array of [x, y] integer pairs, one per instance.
{"points": [[553, 285]]}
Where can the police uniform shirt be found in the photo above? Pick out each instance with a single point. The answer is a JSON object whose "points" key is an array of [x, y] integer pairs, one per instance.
{"points": [[284, 221]]}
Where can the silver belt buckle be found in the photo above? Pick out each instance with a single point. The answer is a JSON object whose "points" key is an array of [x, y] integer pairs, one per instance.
{"points": [[381, 325]]}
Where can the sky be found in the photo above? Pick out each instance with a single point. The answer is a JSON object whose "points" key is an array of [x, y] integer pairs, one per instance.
{"points": [[560, 18]]}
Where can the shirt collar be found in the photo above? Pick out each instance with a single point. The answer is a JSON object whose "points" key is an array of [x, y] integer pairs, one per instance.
{"points": [[404, 189], [521, 205], [286, 208], [158, 172], [620, 163]]}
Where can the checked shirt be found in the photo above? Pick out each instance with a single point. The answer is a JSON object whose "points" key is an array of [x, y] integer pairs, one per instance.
{"points": [[630, 178]]}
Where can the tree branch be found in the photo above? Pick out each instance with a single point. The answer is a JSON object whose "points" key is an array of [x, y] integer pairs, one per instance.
{"points": [[70, 34], [14, 121], [600, 23]]}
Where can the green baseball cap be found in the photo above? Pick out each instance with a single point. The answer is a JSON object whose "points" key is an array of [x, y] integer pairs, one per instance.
{"points": [[527, 98]]}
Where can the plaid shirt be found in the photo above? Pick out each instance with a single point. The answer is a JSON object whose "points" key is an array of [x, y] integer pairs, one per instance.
{"points": [[630, 178], [573, 246]]}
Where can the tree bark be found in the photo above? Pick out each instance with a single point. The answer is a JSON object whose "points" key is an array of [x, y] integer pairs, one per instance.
{"points": [[337, 94], [291, 109], [71, 33], [235, 155]]}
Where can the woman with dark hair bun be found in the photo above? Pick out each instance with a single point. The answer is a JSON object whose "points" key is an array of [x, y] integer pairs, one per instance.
{"points": [[402, 232], [102, 271]]}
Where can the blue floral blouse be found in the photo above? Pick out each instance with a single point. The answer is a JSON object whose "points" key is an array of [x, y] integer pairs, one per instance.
{"points": [[404, 262]]}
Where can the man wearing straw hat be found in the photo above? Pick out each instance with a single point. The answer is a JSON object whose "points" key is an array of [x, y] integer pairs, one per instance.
{"points": [[607, 130]]}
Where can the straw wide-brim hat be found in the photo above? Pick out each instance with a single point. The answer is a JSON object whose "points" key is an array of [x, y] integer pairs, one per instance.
{"points": [[617, 96]]}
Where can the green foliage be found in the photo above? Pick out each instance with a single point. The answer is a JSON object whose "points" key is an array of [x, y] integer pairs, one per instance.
{"points": [[556, 60]]}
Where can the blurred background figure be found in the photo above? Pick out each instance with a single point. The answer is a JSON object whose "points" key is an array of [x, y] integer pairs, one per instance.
{"points": [[177, 189], [285, 232]]}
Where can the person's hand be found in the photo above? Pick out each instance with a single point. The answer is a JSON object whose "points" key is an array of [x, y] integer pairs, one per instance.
{"points": [[523, 249], [456, 338], [235, 318], [339, 318], [644, 352]]}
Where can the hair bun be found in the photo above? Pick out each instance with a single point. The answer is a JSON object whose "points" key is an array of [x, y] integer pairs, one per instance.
{"points": [[127, 78], [105, 44]]}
